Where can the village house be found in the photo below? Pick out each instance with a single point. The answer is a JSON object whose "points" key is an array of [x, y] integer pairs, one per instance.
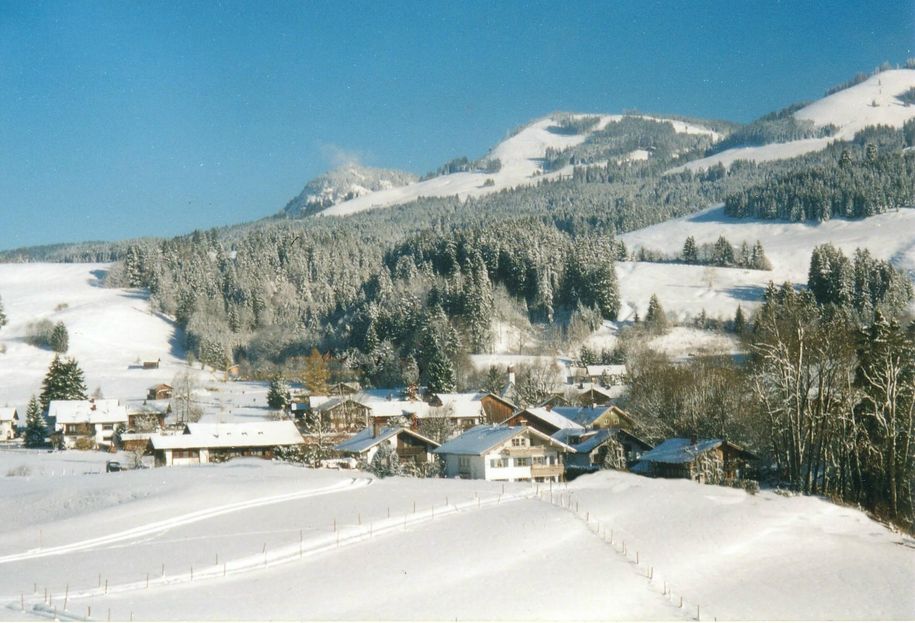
{"points": [[145, 417], [150, 364], [411, 447], [161, 391], [342, 414], [86, 424], [506, 453], [592, 446], [706, 460], [215, 443], [9, 423]]}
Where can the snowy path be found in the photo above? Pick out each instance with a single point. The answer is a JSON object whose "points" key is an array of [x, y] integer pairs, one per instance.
{"points": [[181, 520]]}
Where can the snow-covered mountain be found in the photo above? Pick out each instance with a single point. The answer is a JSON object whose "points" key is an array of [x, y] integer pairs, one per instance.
{"points": [[342, 184], [521, 157], [875, 101]]}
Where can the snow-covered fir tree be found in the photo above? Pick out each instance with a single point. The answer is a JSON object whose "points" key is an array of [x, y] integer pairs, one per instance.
{"points": [[36, 428], [63, 381]]}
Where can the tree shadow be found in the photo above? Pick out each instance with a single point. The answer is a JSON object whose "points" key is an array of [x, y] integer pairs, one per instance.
{"points": [[746, 293]]}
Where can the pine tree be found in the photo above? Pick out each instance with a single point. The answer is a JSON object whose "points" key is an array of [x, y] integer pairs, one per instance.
{"points": [[60, 338], [690, 253], [440, 375], [278, 394], [740, 322], [758, 259], [36, 429], [656, 317], [722, 252], [64, 381], [3, 319]]}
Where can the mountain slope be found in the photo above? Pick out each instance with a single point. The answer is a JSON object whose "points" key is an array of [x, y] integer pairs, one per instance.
{"points": [[876, 101], [521, 157]]}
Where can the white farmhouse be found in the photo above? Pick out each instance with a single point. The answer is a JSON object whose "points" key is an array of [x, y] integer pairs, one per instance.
{"points": [[92, 421], [497, 452], [9, 422], [210, 443]]}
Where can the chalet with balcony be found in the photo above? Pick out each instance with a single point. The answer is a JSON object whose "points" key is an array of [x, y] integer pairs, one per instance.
{"points": [[411, 447], [507, 453]]}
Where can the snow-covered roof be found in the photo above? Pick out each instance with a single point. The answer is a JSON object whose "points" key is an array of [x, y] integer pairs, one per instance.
{"points": [[395, 408], [87, 411], [365, 440], [553, 417], [679, 450], [479, 439], [240, 435], [463, 405], [580, 416], [609, 370], [8, 414]]}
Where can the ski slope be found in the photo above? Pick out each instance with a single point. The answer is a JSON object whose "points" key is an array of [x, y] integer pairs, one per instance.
{"points": [[687, 290], [253, 539], [872, 102], [521, 157]]}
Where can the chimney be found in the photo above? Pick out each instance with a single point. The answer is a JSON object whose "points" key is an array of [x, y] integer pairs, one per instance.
{"points": [[376, 426], [511, 374], [593, 405], [692, 438]]}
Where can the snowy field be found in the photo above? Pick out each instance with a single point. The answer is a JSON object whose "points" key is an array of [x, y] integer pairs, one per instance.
{"points": [[257, 540], [687, 290], [111, 331]]}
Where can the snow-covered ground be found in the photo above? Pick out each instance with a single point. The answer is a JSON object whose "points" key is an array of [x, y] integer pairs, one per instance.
{"points": [[872, 102], [687, 290], [252, 539], [521, 156], [110, 331]]}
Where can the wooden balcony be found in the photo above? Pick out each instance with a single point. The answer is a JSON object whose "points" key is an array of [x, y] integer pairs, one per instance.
{"points": [[546, 471]]}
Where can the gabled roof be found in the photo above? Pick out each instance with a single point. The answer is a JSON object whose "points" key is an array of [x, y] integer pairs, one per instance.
{"points": [[243, 435], [161, 386], [552, 417], [365, 440], [8, 414], [680, 450], [87, 411], [460, 405], [480, 439], [330, 403], [581, 416], [593, 438]]}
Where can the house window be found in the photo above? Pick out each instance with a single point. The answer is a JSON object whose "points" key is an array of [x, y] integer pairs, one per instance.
{"points": [[464, 462], [498, 462], [519, 442], [539, 460], [522, 462]]}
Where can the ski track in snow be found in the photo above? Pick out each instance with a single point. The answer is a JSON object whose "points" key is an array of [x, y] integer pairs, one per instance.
{"points": [[356, 535], [159, 527], [279, 556]]}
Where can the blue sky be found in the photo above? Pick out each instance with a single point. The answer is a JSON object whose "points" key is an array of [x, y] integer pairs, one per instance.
{"points": [[124, 119]]}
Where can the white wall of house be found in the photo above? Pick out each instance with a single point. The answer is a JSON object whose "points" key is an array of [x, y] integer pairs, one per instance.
{"points": [[7, 430]]}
